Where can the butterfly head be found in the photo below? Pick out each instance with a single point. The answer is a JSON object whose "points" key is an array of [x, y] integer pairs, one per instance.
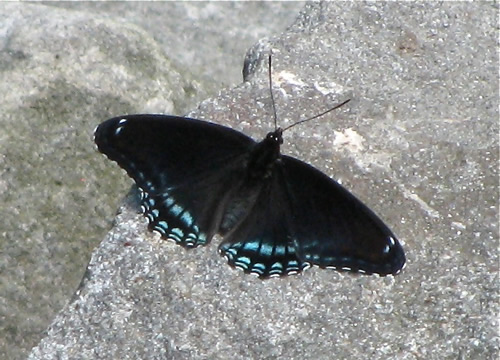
{"points": [[264, 155], [275, 137]]}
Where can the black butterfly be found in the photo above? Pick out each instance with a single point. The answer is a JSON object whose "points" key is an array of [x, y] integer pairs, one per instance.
{"points": [[278, 215]]}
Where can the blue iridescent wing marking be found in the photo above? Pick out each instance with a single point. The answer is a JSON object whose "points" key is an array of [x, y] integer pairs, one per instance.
{"points": [[181, 191]]}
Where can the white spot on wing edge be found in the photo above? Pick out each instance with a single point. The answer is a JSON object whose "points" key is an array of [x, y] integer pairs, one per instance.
{"points": [[119, 127], [392, 241]]}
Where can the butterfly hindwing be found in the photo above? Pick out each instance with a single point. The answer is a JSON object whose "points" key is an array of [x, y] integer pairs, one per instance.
{"points": [[261, 244], [181, 192]]}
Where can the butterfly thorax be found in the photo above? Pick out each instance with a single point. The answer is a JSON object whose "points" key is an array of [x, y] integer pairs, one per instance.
{"points": [[264, 155]]}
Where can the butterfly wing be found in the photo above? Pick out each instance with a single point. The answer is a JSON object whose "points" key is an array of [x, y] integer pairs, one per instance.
{"points": [[332, 228], [184, 168], [261, 243], [302, 217]]}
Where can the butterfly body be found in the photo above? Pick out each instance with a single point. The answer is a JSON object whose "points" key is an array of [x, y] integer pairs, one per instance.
{"points": [[277, 215]]}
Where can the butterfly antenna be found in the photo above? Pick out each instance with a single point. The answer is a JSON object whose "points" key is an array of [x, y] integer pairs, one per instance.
{"points": [[315, 116], [272, 97]]}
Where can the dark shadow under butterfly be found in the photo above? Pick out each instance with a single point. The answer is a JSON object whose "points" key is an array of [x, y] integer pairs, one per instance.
{"points": [[277, 215]]}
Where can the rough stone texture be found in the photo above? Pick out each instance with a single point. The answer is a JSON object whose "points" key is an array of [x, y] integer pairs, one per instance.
{"points": [[61, 73], [208, 37], [418, 143]]}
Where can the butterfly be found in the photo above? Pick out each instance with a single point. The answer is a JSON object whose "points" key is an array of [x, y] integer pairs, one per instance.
{"points": [[277, 215]]}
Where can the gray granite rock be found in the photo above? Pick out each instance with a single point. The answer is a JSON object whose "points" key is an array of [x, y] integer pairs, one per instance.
{"points": [[63, 72], [209, 37], [418, 143]]}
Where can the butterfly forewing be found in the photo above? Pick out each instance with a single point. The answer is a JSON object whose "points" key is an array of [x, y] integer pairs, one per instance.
{"points": [[332, 228], [184, 168]]}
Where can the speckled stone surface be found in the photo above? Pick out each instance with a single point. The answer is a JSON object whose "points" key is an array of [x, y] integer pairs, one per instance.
{"points": [[418, 143]]}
